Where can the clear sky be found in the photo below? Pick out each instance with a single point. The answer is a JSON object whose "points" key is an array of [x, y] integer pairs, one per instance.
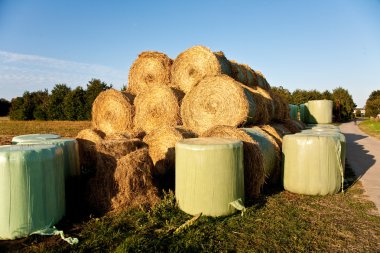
{"points": [[305, 44]]}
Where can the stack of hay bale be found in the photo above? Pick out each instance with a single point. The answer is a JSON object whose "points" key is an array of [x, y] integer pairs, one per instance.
{"points": [[200, 93]]}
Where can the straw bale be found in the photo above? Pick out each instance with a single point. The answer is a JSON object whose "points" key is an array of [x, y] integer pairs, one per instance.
{"points": [[149, 69], [254, 175], [262, 81], [134, 182], [220, 100], [239, 72], [161, 142], [194, 64], [292, 125], [251, 76], [280, 129], [113, 111], [157, 108], [274, 133], [281, 107], [118, 148]]}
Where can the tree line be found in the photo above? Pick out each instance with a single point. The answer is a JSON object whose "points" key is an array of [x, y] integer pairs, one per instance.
{"points": [[372, 106], [63, 103]]}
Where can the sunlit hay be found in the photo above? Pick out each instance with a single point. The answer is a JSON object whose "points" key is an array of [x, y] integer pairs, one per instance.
{"points": [[149, 69], [161, 142], [254, 174], [251, 76], [194, 64], [262, 81], [113, 111], [239, 72], [157, 108], [87, 140], [134, 182], [220, 100], [276, 134]]}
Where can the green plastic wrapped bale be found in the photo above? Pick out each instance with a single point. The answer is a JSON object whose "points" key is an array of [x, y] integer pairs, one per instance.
{"points": [[320, 111], [304, 113], [293, 112], [70, 153], [268, 149], [209, 176], [34, 137], [32, 189], [313, 163]]}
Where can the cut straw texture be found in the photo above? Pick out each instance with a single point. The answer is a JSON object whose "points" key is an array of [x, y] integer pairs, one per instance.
{"points": [[113, 111], [161, 144], [149, 69], [220, 100], [281, 108], [194, 64], [275, 134], [294, 126], [254, 175], [157, 108]]}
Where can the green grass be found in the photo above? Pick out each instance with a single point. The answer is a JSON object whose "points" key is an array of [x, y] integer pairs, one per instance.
{"points": [[371, 127]]}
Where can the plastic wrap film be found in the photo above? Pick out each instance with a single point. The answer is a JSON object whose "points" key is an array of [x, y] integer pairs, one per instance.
{"points": [[34, 137], [322, 127], [209, 177], [314, 162], [304, 113], [70, 153], [32, 189], [267, 148], [293, 112], [320, 111]]}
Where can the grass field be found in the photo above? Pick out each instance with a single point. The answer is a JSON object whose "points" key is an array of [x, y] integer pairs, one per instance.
{"points": [[371, 127], [278, 221]]}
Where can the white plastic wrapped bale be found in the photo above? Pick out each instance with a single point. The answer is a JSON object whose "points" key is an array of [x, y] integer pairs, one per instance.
{"points": [[323, 127], [209, 177], [304, 113], [313, 163], [70, 153], [293, 112], [320, 111], [32, 189], [34, 137]]}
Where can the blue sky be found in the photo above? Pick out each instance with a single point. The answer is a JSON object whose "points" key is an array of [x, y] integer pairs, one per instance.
{"points": [[297, 44]]}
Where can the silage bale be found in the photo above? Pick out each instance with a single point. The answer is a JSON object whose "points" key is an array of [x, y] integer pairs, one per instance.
{"points": [[293, 111], [149, 69], [113, 111], [220, 100], [320, 111], [194, 64], [254, 172], [134, 181], [157, 108], [304, 113]]}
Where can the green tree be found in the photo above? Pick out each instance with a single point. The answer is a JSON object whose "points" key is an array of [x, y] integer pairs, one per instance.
{"points": [[74, 104], [343, 105], [41, 104], [327, 95], [94, 87], [282, 92], [5, 106], [17, 109], [372, 105], [55, 105]]}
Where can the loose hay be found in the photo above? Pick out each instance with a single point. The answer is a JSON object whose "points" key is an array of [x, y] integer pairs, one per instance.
{"points": [[113, 111], [220, 100], [134, 181], [254, 175], [161, 144], [157, 108], [194, 64], [149, 69], [118, 148]]}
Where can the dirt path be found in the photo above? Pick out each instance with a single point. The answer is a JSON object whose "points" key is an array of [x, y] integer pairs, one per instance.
{"points": [[363, 154]]}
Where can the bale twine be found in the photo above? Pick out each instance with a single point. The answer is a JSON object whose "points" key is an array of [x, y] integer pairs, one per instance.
{"points": [[239, 73], [254, 175], [149, 69], [113, 111], [161, 143], [157, 108], [134, 182], [87, 140], [194, 64], [220, 100]]}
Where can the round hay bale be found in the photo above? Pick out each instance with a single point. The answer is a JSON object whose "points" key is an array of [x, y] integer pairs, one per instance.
{"points": [[251, 76], [194, 64], [118, 148], [113, 111], [280, 129], [161, 142], [254, 175], [239, 72], [149, 69], [134, 182], [87, 140], [220, 100], [275, 134], [262, 81], [157, 108], [292, 125], [281, 107]]}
